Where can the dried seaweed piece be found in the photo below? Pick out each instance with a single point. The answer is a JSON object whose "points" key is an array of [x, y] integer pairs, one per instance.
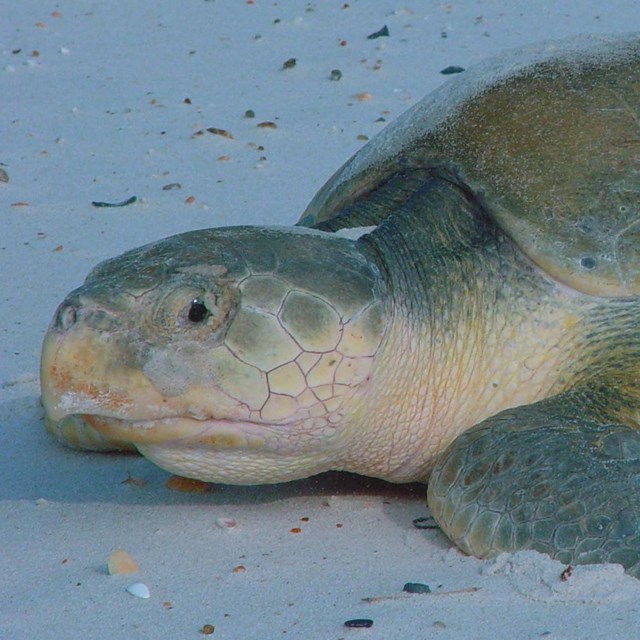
{"points": [[124, 203], [359, 623]]}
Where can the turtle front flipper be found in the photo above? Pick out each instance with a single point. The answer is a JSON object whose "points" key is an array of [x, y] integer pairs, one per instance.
{"points": [[375, 203], [554, 476]]}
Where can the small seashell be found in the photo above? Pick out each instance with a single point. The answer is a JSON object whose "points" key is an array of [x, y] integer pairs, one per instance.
{"points": [[120, 561], [379, 34], [139, 590], [220, 132], [226, 523]]}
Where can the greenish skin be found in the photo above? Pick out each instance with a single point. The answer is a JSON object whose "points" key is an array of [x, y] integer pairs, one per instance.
{"points": [[479, 330]]}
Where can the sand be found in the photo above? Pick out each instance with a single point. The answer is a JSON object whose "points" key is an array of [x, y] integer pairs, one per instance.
{"points": [[100, 102]]}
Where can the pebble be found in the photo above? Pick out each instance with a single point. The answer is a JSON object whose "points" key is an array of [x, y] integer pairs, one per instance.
{"points": [[425, 523], [139, 590], [416, 587], [447, 71]]}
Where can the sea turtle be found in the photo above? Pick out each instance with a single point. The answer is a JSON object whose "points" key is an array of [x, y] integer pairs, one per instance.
{"points": [[459, 304]]}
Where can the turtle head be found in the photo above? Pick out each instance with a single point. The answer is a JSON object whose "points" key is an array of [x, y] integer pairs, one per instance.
{"points": [[226, 355]]}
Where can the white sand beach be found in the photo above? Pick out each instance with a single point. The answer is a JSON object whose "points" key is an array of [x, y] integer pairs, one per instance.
{"points": [[100, 102]]}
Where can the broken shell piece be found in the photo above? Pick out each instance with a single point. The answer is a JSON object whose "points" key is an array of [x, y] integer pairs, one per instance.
{"points": [[120, 561], [187, 485], [139, 590]]}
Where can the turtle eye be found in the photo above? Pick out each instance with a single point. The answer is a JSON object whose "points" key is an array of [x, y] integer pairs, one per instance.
{"points": [[198, 311]]}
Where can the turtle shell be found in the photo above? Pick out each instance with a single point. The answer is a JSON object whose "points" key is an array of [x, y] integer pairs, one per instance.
{"points": [[548, 138]]}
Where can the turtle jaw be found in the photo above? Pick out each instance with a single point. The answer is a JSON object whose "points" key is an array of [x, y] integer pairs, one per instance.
{"points": [[218, 434], [94, 401], [219, 451]]}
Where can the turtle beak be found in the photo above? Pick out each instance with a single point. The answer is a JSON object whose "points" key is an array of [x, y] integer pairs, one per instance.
{"points": [[86, 367], [88, 375], [72, 369]]}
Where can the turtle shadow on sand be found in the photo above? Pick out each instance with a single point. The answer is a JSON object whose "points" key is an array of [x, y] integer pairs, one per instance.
{"points": [[34, 467]]}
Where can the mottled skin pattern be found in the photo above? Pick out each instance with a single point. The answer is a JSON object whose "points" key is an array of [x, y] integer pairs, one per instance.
{"points": [[465, 312]]}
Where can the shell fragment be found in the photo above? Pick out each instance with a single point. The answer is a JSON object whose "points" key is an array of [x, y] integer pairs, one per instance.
{"points": [[120, 561]]}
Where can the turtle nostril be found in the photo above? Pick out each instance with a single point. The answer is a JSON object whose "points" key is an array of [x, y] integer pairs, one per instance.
{"points": [[66, 316]]}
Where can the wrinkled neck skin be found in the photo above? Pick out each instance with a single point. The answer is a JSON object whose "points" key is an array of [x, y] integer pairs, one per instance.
{"points": [[475, 329]]}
